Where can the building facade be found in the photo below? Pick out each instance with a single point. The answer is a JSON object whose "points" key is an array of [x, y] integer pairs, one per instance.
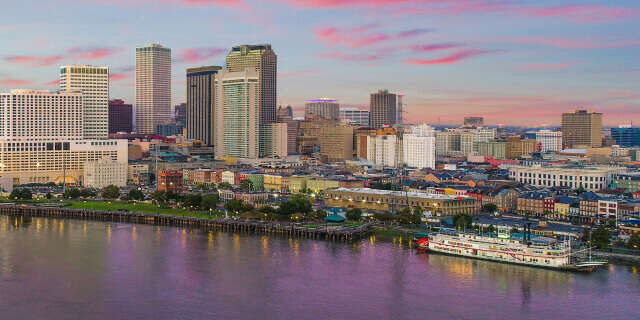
{"points": [[170, 180], [201, 103], [454, 143], [547, 140], [382, 111], [41, 138], [336, 143], [153, 87], [169, 129], [589, 178], [626, 136], [419, 147], [237, 114], [120, 116], [93, 82], [474, 122], [496, 149], [582, 128], [285, 116], [355, 116], [180, 113], [322, 109], [105, 172], [264, 61]]}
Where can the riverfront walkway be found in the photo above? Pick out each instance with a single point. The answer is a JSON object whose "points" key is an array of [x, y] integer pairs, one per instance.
{"points": [[333, 233]]}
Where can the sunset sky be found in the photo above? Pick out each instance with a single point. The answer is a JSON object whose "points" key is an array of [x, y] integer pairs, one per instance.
{"points": [[515, 62]]}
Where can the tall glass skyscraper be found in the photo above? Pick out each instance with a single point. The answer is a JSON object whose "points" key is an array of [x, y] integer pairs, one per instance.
{"points": [[153, 87], [201, 103]]}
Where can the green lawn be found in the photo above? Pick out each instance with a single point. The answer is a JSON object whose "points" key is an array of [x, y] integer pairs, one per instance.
{"points": [[137, 207]]}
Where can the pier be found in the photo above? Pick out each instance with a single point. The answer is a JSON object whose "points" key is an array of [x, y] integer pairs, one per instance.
{"points": [[235, 225]]}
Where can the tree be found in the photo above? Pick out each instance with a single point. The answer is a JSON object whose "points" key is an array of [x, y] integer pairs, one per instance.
{"points": [[152, 177], [580, 190], [72, 193], [21, 194], [321, 214], [354, 214], [225, 185], [49, 195], [462, 220], [233, 205], [203, 187], [601, 238], [158, 196], [136, 194], [246, 207], [210, 201], [382, 186], [86, 193], [246, 185], [111, 192], [634, 241], [490, 207], [192, 201], [491, 228], [297, 203], [514, 230]]}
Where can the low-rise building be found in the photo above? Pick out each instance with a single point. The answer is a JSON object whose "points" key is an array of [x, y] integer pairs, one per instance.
{"points": [[104, 172], [170, 180], [138, 174], [591, 178]]}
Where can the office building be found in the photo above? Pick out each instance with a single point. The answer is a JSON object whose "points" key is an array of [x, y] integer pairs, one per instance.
{"points": [[41, 138], [322, 109], [496, 149], [169, 129], [180, 113], [626, 136], [381, 149], [591, 178], [201, 103], [120, 116], [382, 109], [105, 172], [547, 140], [170, 180], [582, 128], [153, 87], [476, 122], [419, 147], [275, 141], [336, 143], [355, 116], [517, 147], [284, 115], [454, 143], [263, 60], [93, 82], [237, 114]]}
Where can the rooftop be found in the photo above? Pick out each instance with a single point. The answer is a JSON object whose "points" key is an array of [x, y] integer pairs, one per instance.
{"points": [[402, 193]]}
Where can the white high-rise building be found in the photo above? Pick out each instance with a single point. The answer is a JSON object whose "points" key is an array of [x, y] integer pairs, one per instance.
{"points": [[548, 140], [381, 150], [93, 82], [41, 138], [237, 114], [419, 146], [104, 172], [356, 116], [153, 87]]}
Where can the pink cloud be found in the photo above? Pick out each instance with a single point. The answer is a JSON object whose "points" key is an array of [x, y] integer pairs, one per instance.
{"points": [[435, 47], [119, 76], [351, 57], [191, 55], [584, 13], [362, 36], [225, 3], [298, 73], [545, 66], [76, 53], [15, 82], [565, 43], [448, 59], [330, 4], [55, 83]]}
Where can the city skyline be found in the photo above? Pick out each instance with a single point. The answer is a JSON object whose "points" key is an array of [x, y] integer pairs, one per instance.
{"points": [[554, 56]]}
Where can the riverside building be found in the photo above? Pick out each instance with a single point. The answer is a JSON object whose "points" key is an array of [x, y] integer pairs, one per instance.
{"points": [[42, 141]]}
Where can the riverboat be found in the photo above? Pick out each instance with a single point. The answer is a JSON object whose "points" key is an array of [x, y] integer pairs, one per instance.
{"points": [[522, 249]]}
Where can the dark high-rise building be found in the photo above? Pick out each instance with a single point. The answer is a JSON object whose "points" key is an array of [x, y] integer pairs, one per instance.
{"points": [[383, 109], [120, 116], [264, 60], [626, 136], [169, 129], [474, 122], [180, 113], [201, 103]]}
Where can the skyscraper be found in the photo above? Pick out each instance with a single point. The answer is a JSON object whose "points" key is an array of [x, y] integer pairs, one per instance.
{"points": [[419, 147], [285, 116], [356, 116], [383, 109], [236, 113], [201, 103], [153, 87], [322, 108], [120, 116], [582, 128], [93, 82], [265, 62]]}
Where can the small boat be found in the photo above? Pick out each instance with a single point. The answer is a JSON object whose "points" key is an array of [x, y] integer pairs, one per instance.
{"points": [[522, 249]]}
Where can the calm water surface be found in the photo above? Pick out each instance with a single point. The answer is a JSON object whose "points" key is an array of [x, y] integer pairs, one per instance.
{"points": [[72, 269]]}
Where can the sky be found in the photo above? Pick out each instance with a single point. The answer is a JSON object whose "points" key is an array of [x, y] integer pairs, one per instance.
{"points": [[514, 62]]}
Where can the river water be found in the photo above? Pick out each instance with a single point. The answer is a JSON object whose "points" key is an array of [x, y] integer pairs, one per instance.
{"points": [[73, 269]]}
